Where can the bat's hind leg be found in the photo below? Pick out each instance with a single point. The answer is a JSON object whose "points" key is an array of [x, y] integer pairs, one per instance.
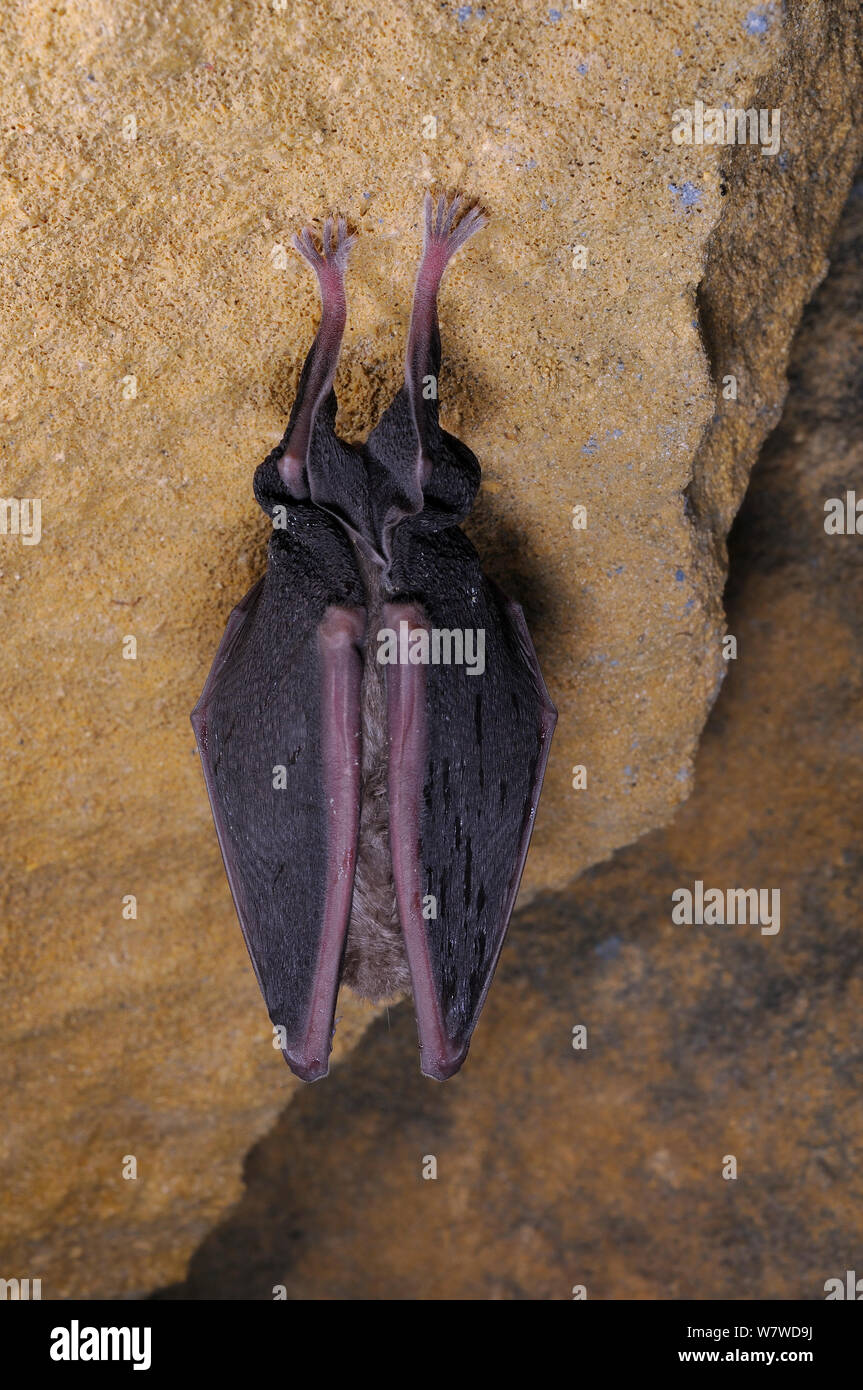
{"points": [[442, 237], [319, 370]]}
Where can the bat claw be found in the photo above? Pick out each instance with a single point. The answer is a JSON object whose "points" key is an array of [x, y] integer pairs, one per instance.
{"points": [[442, 232], [336, 242]]}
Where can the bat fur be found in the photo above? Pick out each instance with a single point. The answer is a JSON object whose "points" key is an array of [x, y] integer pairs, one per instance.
{"points": [[375, 964]]}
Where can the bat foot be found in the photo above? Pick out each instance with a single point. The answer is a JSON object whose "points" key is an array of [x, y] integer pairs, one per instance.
{"points": [[336, 243], [443, 235]]}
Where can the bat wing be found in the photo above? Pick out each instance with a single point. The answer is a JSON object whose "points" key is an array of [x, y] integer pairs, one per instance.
{"points": [[467, 759], [278, 731]]}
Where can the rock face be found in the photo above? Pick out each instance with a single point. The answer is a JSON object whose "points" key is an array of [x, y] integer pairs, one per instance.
{"points": [[156, 163], [609, 1166]]}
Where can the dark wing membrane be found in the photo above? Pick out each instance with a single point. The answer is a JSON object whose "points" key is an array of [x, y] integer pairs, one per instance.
{"points": [[467, 758], [278, 730]]}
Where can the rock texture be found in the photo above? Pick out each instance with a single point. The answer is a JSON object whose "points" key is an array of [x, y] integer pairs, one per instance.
{"points": [[603, 1167], [155, 162]]}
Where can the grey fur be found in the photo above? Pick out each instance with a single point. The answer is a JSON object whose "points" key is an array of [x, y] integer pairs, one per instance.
{"points": [[375, 964]]}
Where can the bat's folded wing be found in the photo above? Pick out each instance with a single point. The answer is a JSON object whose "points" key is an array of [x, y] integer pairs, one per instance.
{"points": [[468, 747], [278, 731]]}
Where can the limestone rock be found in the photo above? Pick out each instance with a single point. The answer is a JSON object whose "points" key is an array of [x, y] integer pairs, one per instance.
{"points": [[155, 162], [608, 1165]]}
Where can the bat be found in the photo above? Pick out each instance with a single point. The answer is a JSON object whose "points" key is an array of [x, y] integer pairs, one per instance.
{"points": [[375, 727]]}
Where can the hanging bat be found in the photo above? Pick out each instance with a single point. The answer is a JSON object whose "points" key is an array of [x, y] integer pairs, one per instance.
{"points": [[375, 728]]}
